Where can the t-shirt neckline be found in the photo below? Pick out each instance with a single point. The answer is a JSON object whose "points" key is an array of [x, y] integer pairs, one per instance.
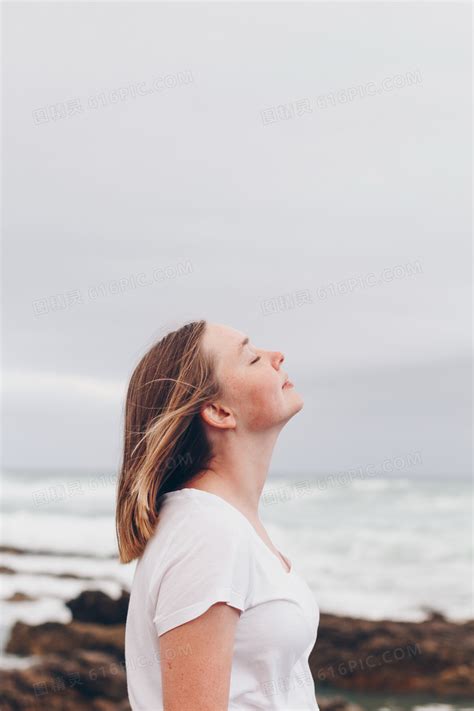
{"points": [[227, 503]]}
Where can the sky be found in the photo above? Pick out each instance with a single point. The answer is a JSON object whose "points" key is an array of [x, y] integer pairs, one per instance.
{"points": [[300, 172]]}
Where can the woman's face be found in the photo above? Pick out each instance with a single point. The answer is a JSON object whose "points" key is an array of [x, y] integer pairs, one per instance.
{"points": [[252, 379]]}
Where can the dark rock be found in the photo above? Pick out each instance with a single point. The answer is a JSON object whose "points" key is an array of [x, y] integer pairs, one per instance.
{"points": [[96, 606], [337, 703], [55, 637], [432, 615], [19, 597], [5, 570], [84, 681], [434, 656], [61, 554]]}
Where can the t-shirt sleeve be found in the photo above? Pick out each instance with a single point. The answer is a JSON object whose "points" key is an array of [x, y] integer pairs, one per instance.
{"points": [[208, 561]]}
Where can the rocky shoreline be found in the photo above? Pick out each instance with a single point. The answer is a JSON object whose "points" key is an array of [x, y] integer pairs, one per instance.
{"points": [[81, 665], [435, 656]]}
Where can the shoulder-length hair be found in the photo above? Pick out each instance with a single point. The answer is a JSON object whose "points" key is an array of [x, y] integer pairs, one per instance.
{"points": [[164, 440]]}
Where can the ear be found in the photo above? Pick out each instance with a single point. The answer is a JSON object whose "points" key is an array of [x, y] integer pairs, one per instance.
{"points": [[218, 416]]}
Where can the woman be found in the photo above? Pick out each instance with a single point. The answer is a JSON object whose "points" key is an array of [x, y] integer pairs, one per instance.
{"points": [[218, 618]]}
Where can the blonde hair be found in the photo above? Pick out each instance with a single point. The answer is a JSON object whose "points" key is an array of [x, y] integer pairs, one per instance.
{"points": [[164, 440]]}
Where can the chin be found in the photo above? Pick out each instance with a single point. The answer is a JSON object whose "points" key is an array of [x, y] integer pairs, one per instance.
{"points": [[295, 395], [297, 402], [301, 404]]}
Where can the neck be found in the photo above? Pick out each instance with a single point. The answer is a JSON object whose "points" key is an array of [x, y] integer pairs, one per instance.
{"points": [[239, 469]]}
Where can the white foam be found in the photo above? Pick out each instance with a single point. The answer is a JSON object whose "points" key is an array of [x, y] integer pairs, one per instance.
{"points": [[371, 548], [81, 566], [61, 532]]}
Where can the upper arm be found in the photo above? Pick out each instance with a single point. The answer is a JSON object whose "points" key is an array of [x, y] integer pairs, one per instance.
{"points": [[196, 661]]}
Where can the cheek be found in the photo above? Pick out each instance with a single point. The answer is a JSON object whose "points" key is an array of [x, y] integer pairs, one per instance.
{"points": [[259, 402]]}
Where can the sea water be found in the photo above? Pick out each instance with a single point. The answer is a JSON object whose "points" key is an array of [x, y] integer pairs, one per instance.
{"points": [[376, 548]]}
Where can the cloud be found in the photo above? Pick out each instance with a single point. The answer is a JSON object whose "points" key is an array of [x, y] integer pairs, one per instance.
{"points": [[21, 383]]}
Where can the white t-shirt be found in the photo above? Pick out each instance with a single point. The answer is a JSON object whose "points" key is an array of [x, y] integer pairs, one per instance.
{"points": [[203, 551]]}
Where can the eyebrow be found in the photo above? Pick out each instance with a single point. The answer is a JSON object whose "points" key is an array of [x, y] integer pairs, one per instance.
{"points": [[244, 343]]}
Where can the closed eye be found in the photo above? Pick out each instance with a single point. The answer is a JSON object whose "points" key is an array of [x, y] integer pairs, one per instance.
{"points": [[254, 361]]}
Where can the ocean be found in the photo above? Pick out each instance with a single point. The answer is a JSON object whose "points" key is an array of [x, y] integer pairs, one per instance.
{"points": [[374, 548]]}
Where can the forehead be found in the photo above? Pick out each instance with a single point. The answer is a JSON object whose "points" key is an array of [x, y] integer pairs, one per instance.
{"points": [[223, 340]]}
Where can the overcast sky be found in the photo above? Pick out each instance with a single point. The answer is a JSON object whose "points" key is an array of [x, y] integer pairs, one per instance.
{"points": [[300, 172]]}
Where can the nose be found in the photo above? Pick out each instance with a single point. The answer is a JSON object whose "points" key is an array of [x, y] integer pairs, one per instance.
{"points": [[277, 359]]}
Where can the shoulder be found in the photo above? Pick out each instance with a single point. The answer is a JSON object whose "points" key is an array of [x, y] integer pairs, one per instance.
{"points": [[209, 520], [206, 557], [190, 523]]}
